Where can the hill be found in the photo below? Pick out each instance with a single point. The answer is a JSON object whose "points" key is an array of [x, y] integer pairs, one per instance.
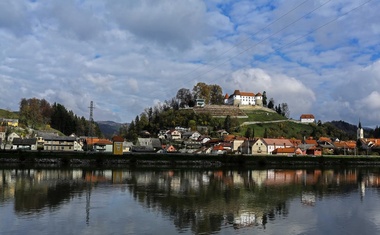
{"points": [[109, 128], [8, 114]]}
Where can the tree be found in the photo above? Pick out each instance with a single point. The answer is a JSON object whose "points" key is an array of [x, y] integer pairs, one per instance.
{"points": [[265, 102], [278, 109], [202, 91], [227, 123], [285, 110], [248, 133], [265, 133], [185, 98], [216, 94], [271, 103]]}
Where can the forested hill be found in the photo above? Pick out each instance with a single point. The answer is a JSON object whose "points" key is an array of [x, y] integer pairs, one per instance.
{"points": [[39, 114], [351, 129]]}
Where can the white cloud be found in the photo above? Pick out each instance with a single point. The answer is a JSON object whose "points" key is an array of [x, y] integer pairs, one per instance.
{"points": [[281, 88], [129, 55]]}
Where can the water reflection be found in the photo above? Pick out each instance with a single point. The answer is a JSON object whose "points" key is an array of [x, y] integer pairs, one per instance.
{"points": [[196, 201]]}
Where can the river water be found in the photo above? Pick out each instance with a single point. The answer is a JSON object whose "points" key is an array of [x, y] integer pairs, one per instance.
{"points": [[195, 201]]}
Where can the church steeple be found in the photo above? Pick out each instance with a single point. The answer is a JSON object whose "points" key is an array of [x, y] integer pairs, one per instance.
{"points": [[360, 132]]}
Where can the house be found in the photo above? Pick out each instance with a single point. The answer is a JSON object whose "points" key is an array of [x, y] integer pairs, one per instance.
{"points": [[3, 129], [127, 146], [326, 145], [24, 144], [9, 122], [307, 118], [168, 149], [288, 151], [12, 136], [268, 145], [246, 146], [243, 98], [221, 133], [103, 146], [174, 135], [59, 143], [344, 147], [147, 144], [218, 149], [191, 135], [237, 142]]}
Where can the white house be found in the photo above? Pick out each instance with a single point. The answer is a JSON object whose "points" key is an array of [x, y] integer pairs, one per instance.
{"points": [[268, 145], [174, 135], [191, 135], [307, 118]]}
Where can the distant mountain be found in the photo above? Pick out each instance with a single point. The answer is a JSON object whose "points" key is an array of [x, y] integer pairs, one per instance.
{"points": [[109, 128]]}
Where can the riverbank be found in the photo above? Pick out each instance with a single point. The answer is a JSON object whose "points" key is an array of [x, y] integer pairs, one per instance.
{"points": [[82, 159]]}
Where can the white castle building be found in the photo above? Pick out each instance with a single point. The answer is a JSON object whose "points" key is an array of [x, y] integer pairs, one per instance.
{"points": [[243, 98]]}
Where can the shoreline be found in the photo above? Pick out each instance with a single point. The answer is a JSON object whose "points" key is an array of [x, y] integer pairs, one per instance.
{"points": [[85, 159]]}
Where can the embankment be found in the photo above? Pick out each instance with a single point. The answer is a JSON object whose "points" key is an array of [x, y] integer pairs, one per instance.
{"points": [[81, 159]]}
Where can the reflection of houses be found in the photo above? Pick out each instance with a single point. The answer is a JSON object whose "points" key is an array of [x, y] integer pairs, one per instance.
{"points": [[246, 219]]}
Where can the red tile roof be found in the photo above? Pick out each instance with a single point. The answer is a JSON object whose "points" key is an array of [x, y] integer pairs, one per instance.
{"points": [[307, 116]]}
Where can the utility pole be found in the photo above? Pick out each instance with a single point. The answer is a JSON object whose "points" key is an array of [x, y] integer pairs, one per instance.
{"points": [[91, 125]]}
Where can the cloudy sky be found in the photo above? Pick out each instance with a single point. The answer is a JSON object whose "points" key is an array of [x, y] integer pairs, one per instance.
{"points": [[318, 56]]}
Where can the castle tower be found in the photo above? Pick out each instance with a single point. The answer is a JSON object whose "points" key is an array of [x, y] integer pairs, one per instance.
{"points": [[360, 131]]}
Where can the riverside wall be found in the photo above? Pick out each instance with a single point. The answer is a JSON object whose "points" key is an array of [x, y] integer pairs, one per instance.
{"points": [[85, 159]]}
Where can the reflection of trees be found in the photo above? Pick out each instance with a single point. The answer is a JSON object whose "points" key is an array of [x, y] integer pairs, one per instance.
{"points": [[238, 198], [204, 201], [33, 191], [206, 206]]}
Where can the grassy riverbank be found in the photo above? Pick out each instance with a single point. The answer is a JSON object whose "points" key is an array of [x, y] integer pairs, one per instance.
{"points": [[152, 159]]}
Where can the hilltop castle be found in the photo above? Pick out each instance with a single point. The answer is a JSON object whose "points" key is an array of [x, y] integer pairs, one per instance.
{"points": [[243, 98]]}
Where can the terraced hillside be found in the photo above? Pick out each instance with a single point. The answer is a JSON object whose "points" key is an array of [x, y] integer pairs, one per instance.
{"points": [[221, 111]]}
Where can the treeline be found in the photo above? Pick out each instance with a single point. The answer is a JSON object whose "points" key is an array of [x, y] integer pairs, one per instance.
{"points": [[38, 114]]}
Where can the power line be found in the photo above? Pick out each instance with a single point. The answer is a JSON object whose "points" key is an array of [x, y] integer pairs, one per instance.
{"points": [[282, 29], [241, 42], [293, 41]]}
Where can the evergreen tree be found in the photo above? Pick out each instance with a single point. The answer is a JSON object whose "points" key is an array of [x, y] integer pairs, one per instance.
{"points": [[271, 103], [248, 133], [265, 102], [227, 123], [265, 133]]}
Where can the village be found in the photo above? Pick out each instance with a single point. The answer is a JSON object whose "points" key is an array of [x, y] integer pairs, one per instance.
{"points": [[185, 140]]}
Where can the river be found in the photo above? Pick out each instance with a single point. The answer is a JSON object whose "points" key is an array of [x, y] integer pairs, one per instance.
{"points": [[190, 201]]}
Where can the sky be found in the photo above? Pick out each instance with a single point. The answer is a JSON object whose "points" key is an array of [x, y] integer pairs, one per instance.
{"points": [[318, 56]]}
